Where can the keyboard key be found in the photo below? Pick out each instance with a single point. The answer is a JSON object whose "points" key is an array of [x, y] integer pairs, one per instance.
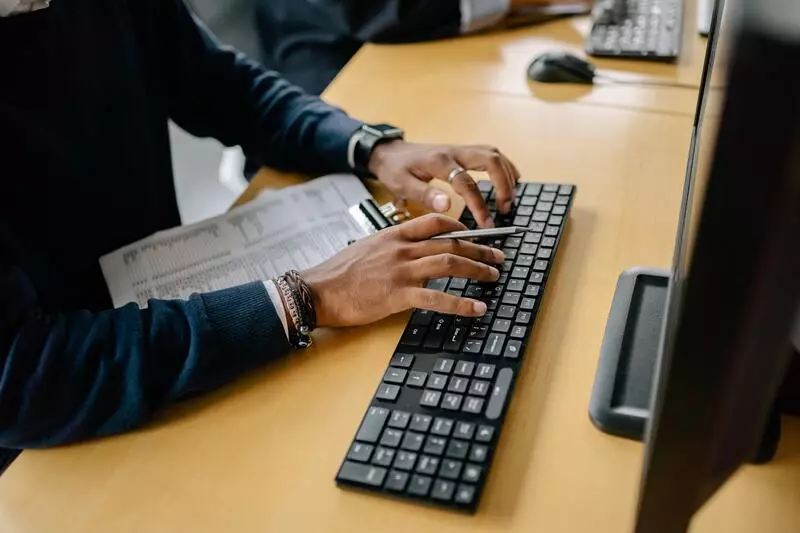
{"points": [[388, 393], [399, 419], [430, 398], [459, 284], [428, 465], [414, 335], [565, 189], [478, 453], [478, 331], [514, 242], [528, 200], [362, 474], [497, 400], [383, 456], [473, 405], [511, 298], [443, 490], [472, 473], [540, 216], [473, 291], [451, 402], [524, 261], [555, 220], [506, 266], [516, 285], [533, 237], [523, 317], [511, 253], [395, 375], [491, 303], [416, 378], [422, 317], [443, 365], [533, 189], [544, 253], [518, 332], [513, 349], [420, 485], [465, 494], [532, 289], [479, 387], [529, 248], [549, 194], [359, 452], [458, 294], [540, 265], [413, 441], [494, 344], [457, 449], [442, 426], [521, 188], [544, 206], [502, 279], [485, 371], [372, 425], [420, 422], [391, 438], [484, 434], [454, 338], [506, 311], [472, 346], [464, 368], [501, 325], [521, 220], [458, 385], [436, 332], [435, 445], [464, 430], [520, 272], [551, 231], [562, 200], [536, 277], [405, 460], [397, 481], [559, 210], [402, 360], [486, 320], [451, 469], [525, 210], [528, 304], [437, 284], [437, 381]]}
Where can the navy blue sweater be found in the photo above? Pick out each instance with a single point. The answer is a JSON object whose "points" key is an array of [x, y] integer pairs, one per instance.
{"points": [[86, 89]]}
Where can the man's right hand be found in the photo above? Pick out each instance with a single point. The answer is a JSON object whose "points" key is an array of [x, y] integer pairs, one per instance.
{"points": [[385, 273]]}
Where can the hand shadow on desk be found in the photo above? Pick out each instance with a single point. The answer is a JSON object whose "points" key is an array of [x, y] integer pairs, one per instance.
{"points": [[502, 496]]}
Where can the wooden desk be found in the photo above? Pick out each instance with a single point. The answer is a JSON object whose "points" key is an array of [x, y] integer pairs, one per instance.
{"points": [[261, 454]]}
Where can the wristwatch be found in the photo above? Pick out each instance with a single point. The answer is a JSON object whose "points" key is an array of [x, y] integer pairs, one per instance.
{"points": [[364, 141]]}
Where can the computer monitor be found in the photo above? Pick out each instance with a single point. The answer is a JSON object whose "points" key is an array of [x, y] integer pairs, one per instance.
{"points": [[734, 287]]}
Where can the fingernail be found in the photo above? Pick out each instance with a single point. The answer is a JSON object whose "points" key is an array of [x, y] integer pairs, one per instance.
{"points": [[441, 202], [479, 308], [495, 272], [499, 256]]}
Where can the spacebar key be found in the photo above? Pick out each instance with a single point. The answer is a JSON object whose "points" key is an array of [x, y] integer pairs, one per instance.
{"points": [[499, 394]]}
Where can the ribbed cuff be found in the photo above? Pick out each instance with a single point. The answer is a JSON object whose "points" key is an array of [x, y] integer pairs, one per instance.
{"points": [[477, 15], [333, 137], [246, 325]]}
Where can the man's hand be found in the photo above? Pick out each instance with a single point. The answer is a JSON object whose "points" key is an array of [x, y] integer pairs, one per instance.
{"points": [[385, 273], [406, 168]]}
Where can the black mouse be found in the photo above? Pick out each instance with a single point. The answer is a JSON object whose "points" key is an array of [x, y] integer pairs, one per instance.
{"points": [[561, 67]]}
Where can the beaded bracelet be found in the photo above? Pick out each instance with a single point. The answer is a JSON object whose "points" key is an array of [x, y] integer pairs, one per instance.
{"points": [[296, 296]]}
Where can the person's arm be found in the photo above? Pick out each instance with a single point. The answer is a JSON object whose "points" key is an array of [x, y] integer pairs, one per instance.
{"points": [[66, 377], [215, 91]]}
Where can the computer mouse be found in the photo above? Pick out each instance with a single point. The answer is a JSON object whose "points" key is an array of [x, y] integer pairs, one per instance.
{"points": [[561, 67]]}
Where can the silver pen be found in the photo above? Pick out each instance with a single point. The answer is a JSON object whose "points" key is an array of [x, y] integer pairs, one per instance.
{"points": [[481, 233]]}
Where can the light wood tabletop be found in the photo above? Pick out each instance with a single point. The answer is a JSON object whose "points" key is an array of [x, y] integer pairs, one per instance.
{"points": [[261, 454]]}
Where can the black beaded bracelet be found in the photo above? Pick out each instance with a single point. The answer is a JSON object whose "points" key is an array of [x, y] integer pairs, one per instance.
{"points": [[296, 296]]}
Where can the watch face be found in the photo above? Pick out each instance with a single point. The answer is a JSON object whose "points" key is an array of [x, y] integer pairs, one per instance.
{"points": [[384, 130]]}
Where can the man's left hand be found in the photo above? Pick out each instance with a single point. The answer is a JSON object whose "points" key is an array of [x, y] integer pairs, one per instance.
{"points": [[407, 168]]}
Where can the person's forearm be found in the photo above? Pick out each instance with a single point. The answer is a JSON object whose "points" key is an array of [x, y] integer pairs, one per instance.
{"points": [[69, 377]]}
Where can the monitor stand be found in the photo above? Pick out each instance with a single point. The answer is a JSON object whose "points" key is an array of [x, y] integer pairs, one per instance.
{"points": [[620, 399]]}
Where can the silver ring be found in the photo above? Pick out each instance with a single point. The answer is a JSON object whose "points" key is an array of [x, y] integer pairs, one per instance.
{"points": [[453, 173]]}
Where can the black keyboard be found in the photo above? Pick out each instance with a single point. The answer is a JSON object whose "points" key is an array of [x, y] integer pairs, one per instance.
{"points": [[431, 429], [648, 29]]}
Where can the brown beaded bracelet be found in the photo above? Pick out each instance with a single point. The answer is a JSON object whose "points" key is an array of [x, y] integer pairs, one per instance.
{"points": [[297, 300]]}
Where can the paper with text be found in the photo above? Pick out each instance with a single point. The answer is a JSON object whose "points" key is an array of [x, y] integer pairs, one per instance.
{"points": [[292, 228]]}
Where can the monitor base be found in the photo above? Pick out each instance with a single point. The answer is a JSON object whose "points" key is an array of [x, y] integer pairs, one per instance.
{"points": [[620, 399]]}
